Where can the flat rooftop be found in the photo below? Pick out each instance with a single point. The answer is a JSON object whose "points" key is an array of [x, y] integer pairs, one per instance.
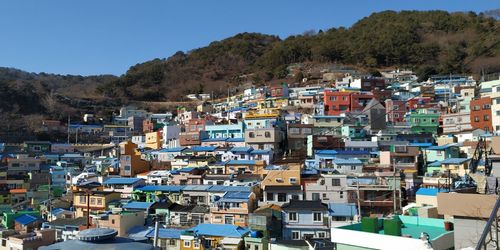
{"points": [[412, 226]]}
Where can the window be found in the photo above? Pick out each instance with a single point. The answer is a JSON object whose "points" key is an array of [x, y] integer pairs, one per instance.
{"points": [[270, 196], [196, 245], [395, 107], [321, 234], [486, 117], [281, 197], [306, 131], [267, 134], [497, 100], [251, 135], [344, 98], [295, 235], [92, 201], [99, 202], [396, 115], [336, 182], [187, 243], [476, 118], [476, 107], [294, 131], [341, 194], [333, 98], [317, 217], [293, 180], [112, 221], [295, 197], [498, 112], [292, 216], [83, 199], [171, 242], [315, 196], [242, 155], [486, 106], [353, 167]]}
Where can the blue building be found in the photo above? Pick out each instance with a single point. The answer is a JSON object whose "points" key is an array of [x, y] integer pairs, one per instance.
{"points": [[305, 220], [226, 130]]}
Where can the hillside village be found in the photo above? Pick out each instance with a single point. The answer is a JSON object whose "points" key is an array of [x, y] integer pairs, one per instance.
{"points": [[385, 158]]}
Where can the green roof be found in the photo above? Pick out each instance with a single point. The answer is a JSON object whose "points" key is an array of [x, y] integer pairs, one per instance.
{"points": [[413, 226]]}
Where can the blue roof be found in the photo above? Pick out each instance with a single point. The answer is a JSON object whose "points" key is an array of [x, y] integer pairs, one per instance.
{"points": [[235, 140], [224, 230], [429, 191], [138, 205], [172, 150], [214, 139], [347, 161], [434, 164], [166, 233], [203, 148], [121, 181], [236, 196], [455, 160], [342, 210], [241, 162], [353, 152], [326, 152], [421, 144], [241, 149], [260, 151], [169, 188], [26, 219], [442, 147], [221, 188]]}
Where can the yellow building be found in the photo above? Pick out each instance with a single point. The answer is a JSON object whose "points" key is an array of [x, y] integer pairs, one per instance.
{"points": [[99, 202], [130, 160], [153, 140], [121, 222], [233, 208], [213, 236]]}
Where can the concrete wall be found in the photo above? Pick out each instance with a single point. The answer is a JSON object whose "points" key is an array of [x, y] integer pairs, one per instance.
{"points": [[468, 232]]}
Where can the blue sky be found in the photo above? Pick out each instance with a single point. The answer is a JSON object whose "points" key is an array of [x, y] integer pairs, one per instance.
{"points": [[88, 37]]}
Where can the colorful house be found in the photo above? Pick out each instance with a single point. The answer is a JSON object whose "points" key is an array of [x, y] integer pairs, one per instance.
{"points": [[233, 208], [212, 236], [424, 121]]}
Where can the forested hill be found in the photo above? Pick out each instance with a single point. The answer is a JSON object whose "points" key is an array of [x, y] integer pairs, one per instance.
{"points": [[426, 41]]}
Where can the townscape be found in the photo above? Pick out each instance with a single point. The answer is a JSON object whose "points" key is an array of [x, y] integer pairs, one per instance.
{"points": [[349, 160]]}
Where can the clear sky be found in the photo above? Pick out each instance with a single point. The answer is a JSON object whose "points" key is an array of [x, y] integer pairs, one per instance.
{"points": [[87, 37]]}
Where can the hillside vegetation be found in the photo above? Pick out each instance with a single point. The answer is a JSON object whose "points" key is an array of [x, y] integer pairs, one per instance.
{"points": [[429, 42]]}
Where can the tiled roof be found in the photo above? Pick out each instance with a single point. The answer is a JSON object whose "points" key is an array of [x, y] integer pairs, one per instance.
{"points": [[305, 205], [138, 205], [172, 150], [241, 149], [203, 148], [165, 233], [26, 219], [326, 152]]}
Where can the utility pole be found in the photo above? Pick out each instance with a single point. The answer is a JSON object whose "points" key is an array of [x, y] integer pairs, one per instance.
{"points": [[69, 122], [394, 184], [358, 198]]}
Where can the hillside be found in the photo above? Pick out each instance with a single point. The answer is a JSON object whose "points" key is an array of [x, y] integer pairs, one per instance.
{"points": [[429, 42]]}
